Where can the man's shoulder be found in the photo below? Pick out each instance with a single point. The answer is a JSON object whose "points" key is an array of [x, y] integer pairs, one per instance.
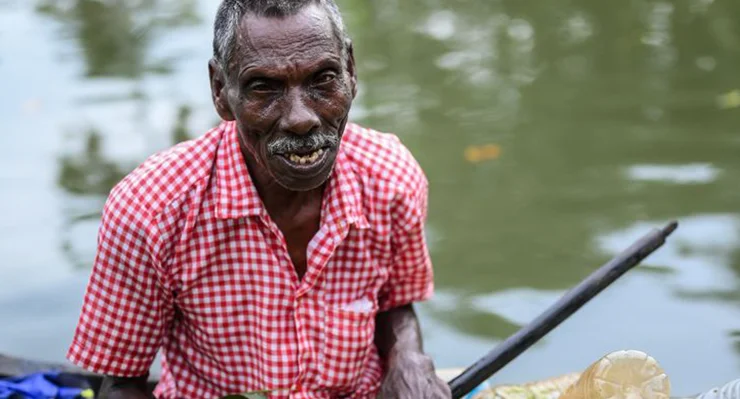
{"points": [[383, 157], [169, 174]]}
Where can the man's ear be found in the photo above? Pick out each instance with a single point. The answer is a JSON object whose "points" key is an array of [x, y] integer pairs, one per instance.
{"points": [[218, 91], [351, 66]]}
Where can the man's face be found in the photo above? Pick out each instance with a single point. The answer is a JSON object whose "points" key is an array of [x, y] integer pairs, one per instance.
{"points": [[290, 89]]}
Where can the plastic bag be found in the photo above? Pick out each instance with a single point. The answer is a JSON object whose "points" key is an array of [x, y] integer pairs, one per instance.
{"points": [[47, 385]]}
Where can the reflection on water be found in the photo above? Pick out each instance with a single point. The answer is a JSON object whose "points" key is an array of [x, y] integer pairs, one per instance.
{"points": [[115, 37], [553, 135], [700, 257], [89, 172], [679, 174], [518, 306]]}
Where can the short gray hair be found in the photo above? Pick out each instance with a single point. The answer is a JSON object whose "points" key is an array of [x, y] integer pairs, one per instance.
{"points": [[231, 12]]}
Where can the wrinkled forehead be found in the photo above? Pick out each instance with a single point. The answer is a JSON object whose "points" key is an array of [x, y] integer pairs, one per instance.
{"points": [[293, 38]]}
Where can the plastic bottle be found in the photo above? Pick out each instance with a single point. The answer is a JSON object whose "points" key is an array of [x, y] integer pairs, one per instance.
{"points": [[621, 375], [731, 390]]}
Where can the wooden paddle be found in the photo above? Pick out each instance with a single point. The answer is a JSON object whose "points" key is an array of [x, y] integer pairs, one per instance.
{"points": [[568, 304]]}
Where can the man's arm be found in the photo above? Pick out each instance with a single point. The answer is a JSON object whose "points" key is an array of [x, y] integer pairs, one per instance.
{"points": [[410, 373], [128, 306], [397, 332], [124, 388]]}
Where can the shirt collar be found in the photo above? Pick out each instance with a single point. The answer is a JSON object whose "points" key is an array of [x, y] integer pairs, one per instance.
{"points": [[237, 196], [344, 193]]}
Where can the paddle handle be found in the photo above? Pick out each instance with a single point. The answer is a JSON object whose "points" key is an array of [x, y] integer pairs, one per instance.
{"points": [[568, 304]]}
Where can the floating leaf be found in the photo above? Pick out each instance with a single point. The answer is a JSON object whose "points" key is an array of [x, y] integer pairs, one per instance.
{"points": [[475, 154], [729, 100]]}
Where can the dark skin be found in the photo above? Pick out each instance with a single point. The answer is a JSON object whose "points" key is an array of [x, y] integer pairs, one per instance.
{"points": [[290, 77], [124, 388]]}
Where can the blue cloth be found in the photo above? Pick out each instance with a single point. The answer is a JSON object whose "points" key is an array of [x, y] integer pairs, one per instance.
{"points": [[48, 385]]}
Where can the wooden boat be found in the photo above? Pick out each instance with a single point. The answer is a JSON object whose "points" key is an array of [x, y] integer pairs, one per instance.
{"points": [[550, 388]]}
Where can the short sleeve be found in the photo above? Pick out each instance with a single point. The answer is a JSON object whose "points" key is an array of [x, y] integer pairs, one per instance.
{"points": [[126, 308], [410, 278]]}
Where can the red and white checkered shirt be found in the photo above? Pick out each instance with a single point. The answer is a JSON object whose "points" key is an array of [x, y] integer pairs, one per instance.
{"points": [[189, 262]]}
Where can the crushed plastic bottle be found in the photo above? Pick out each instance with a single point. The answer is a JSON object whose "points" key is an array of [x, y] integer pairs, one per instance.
{"points": [[731, 390], [621, 375]]}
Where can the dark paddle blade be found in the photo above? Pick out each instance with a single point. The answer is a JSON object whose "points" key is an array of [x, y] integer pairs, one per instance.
{"points": [[568, 304]]}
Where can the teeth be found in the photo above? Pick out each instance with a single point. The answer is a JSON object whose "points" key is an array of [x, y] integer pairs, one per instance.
{"points": [[302, 160]]}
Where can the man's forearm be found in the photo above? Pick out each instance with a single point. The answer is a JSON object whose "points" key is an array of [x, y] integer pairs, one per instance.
{"points": [[397, 332], [124, 388], [410, 373]]}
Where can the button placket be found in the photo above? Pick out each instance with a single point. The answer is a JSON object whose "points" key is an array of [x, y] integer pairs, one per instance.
{"points": [[327, 241], [279, 247], [301, 335]]}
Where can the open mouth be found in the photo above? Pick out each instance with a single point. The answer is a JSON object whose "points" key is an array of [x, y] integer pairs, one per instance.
{"points": [[306, 160]]}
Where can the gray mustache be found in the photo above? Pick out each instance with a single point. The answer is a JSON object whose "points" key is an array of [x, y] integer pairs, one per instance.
{"points": [[308, 143]]}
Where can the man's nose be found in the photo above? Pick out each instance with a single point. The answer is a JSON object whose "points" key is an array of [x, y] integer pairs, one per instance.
{"points": [[299, 118]]}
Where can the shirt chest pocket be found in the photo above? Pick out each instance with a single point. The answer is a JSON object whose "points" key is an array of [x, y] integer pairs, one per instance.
{"points": [[348, 339]]}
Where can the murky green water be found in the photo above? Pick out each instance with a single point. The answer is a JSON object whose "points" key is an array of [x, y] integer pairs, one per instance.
{"points": [[602, 119]]}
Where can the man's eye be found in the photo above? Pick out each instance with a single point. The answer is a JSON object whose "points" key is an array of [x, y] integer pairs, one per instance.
{"points": [[261, 87], [325, 78]]}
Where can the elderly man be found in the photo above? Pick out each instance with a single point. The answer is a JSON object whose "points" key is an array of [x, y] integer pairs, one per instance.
{"points": [[282, 250]]}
